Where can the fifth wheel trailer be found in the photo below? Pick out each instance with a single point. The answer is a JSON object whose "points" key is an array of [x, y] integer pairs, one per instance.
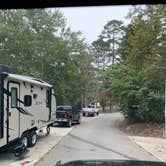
{"points": [[26, 105]]}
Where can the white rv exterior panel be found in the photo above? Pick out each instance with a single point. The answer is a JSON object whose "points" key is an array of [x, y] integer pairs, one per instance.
{"points": [[37, 115], [28, 79]]}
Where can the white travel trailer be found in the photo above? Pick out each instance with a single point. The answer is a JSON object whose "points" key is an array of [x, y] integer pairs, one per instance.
{"points": [[26, 105]]}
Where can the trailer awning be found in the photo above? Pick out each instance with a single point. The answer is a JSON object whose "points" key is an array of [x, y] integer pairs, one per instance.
{"points": [[28, 79]]}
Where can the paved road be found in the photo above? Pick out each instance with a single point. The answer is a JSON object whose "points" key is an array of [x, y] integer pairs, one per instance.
{"points": [[96, 138]]}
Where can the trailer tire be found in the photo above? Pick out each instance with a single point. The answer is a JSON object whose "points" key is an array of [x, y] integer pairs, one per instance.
{"points": [[32, 138], [83, 114], [24, 140], [17, 154]]}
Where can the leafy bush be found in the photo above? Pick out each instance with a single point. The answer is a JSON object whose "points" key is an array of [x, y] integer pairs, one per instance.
{"points": [[131, 113], [138, 100], [156, 107]]}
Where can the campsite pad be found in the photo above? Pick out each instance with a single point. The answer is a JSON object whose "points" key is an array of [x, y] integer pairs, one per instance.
{"points": [[33, 155]]}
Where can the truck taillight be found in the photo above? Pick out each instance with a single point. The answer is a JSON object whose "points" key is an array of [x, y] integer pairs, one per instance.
{"points": [[65, 115]]}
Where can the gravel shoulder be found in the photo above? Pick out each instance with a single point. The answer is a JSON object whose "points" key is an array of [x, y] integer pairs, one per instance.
{"points": [[148, 136], [44, 145], [154, 146], [142, 129]]}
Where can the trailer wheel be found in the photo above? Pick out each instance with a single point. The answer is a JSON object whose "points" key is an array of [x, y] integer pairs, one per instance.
{"points": [[32, 138], [48, 130], [17, 154], [24, 140], [83, 114]]}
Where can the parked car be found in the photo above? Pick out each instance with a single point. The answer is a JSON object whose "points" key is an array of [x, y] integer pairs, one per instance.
{"points": [[67, 115], [91, 110]]}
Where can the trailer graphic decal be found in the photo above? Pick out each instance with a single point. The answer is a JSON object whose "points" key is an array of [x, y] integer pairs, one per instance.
{"points": [[42, 103], [24, 111]]}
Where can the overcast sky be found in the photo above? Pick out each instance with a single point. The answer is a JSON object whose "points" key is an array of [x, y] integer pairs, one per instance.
{"points": [[90, 20]]}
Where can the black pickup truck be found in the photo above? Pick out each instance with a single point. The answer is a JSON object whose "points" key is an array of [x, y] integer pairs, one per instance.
{"points": [[67, 115]]}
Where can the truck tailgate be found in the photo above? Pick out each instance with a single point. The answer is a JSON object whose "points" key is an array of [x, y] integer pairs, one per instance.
{"points": [[60, 114]]}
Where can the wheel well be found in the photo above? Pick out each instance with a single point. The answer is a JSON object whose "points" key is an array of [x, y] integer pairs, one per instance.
{"points": [[29, 130], [34, 129]]}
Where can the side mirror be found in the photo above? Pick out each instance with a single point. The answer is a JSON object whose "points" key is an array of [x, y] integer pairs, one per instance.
{"points": [[24, 111]]}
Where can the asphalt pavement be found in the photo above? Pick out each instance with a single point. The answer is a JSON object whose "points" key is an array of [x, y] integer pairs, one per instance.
{"points": [[96, 138], [44, 144]]}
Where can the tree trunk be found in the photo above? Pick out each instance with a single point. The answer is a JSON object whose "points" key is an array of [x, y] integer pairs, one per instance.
{"points": [[110, 105], [110, 101], [113, 55], [103, 108]]}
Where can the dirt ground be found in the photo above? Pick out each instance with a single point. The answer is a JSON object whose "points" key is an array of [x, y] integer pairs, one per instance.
{"points": [[142, 129]]}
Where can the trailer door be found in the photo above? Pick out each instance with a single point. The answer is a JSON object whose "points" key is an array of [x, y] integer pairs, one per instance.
{"points": [[13, 125]]}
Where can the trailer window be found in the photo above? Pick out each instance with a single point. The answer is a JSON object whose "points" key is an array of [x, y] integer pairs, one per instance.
{"points": [[13, 97], [27, 100]]}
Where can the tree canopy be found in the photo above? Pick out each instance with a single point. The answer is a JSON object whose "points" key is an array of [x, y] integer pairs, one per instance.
{"points": [[38, 43], [125, 66], [136, 81]]}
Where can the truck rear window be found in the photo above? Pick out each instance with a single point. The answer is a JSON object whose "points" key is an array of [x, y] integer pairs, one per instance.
{"points": [[64, 109]]}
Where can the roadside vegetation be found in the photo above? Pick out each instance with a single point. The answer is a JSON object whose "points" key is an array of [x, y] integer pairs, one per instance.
{"points": [[39, 43], [135, 79], [125, 66], [147, 129]]}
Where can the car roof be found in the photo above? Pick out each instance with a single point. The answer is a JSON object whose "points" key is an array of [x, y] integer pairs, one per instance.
{"points": [[64, 106]]}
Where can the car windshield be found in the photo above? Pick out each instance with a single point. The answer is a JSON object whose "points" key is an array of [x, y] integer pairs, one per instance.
{"points": [[91, 106], [89, 83]]}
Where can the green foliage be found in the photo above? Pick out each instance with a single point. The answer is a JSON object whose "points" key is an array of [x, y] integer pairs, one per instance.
{"points": [[136, 82], [38, 43], [106, 47], [156, 106], [138, 101]]}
